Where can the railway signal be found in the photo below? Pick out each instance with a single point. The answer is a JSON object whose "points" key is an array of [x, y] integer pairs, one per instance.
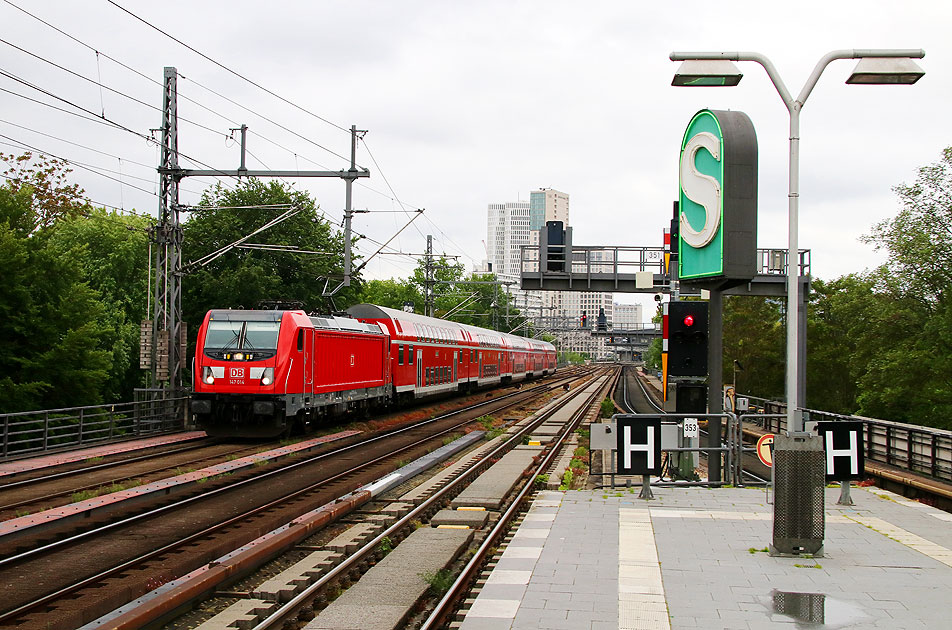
{"points": [[687, 339]]}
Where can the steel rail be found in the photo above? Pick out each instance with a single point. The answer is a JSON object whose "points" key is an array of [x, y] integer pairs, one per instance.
{"points": [[305, 597], [105, 465], [12, 614], [474, 567]]}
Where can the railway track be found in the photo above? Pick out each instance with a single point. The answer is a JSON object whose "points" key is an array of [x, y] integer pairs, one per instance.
{"points": [[52, 487], [309, 601], [116, 559]]}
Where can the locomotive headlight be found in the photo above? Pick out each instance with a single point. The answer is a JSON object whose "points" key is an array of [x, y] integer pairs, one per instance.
{"points": [[207, 376], [239, 356], [268, 377]]}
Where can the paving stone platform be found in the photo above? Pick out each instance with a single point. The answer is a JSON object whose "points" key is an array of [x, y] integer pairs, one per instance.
{"points": [[693, 558]]}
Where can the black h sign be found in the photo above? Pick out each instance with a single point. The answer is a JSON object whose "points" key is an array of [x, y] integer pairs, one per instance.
{"points": [[639, 445], [845, 455]]}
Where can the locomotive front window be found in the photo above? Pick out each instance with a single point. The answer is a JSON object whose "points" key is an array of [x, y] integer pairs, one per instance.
{"points": [[261, 336], [223, 335], [232, 335]]}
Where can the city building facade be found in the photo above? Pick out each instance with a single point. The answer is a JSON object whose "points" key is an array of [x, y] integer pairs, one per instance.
{"points": [[512, 225]]}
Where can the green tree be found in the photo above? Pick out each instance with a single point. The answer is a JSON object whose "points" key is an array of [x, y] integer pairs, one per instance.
{"points": [[481, 302], [754, 336], [241, 278], [50, 318], [910, 377], [110, 251], [652, 356], [392, 293]]}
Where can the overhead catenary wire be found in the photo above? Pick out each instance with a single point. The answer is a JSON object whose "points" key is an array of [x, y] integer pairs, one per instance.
{"points": [[226, 68], [102, 119], [97, 118], [185, 97], [86, 167], [112, 90]]}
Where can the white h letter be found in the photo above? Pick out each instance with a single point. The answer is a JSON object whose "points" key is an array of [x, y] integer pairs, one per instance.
{"points": [[630, 448], [852, 452]]}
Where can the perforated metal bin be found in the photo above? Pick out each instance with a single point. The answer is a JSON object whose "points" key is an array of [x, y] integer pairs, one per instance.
{"points": [[799, 481]]}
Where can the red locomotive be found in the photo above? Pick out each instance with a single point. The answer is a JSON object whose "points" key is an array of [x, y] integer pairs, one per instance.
{"points": [[258, 373]]}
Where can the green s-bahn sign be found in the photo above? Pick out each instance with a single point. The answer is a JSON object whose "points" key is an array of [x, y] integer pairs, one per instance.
{"points": [[717, 204]]}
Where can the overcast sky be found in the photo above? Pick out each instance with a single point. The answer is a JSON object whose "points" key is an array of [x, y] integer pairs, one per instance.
{"points": [[471, 103]]}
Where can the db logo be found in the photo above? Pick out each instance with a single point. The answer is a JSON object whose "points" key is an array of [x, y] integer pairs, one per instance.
{"points": [[237, 372]]}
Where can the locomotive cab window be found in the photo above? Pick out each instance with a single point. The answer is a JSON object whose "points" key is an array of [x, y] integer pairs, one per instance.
{"points": [[300, 340], [241, 340]]}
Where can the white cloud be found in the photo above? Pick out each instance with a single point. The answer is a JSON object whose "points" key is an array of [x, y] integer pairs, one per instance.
{"points": [[471, 103]]}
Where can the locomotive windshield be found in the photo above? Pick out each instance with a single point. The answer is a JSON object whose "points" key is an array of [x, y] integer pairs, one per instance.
{"points": [[235, 335]]}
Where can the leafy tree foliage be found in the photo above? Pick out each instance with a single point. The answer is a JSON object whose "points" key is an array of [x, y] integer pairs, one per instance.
{"points": [[754, 336], [44, 181], [51, 320], [241, 278], [392, 293], [110, 251], [910, 377]]}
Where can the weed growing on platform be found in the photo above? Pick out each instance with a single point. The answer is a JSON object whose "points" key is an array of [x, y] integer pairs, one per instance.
{"points": [[439, 582], [808, 566], [753, 550], [449, 439], [567, 478], [494, 432], [486, 422], [83, 495], [541, 481], [386, 545]]}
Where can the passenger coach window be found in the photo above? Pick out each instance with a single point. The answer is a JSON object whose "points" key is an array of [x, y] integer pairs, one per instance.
{"points": [[300, 340], [399, 355], [410, 358]]}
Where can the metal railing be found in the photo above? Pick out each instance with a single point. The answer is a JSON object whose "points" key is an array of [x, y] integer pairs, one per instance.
{"points": [[730, 450], [918, 449], [617, 259], [27, 432]]}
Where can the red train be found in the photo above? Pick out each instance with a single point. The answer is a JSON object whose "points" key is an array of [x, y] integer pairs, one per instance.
{"points": [[259, 373]]}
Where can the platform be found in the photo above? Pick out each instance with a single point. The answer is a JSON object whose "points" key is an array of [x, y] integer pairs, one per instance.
{"points": [[59, 458], [695, 558]]}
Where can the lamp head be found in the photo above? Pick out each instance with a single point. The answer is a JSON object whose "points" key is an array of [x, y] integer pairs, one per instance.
{"points": [[885, 71], [707, 73]]}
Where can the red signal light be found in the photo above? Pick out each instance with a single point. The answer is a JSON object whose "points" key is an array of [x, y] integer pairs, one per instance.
{"points": [[689, 320]]}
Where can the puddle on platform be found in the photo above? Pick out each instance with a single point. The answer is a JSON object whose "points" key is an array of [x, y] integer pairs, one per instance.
{"points": [[816, 609]]}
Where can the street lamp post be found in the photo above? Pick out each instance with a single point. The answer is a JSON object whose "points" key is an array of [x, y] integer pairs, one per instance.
{"points": [[875, 67]]}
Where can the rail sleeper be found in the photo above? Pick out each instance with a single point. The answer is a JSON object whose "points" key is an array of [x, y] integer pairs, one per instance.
{"points": [[425, 489], [353, 537], [285, 585], [243, 614], [490, 489], [388, 592]]}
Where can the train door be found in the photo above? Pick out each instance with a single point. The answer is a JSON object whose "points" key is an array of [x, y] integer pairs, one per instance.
{"points": [[419, 368], [479, 364], [455, 362], [308, 360]]}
